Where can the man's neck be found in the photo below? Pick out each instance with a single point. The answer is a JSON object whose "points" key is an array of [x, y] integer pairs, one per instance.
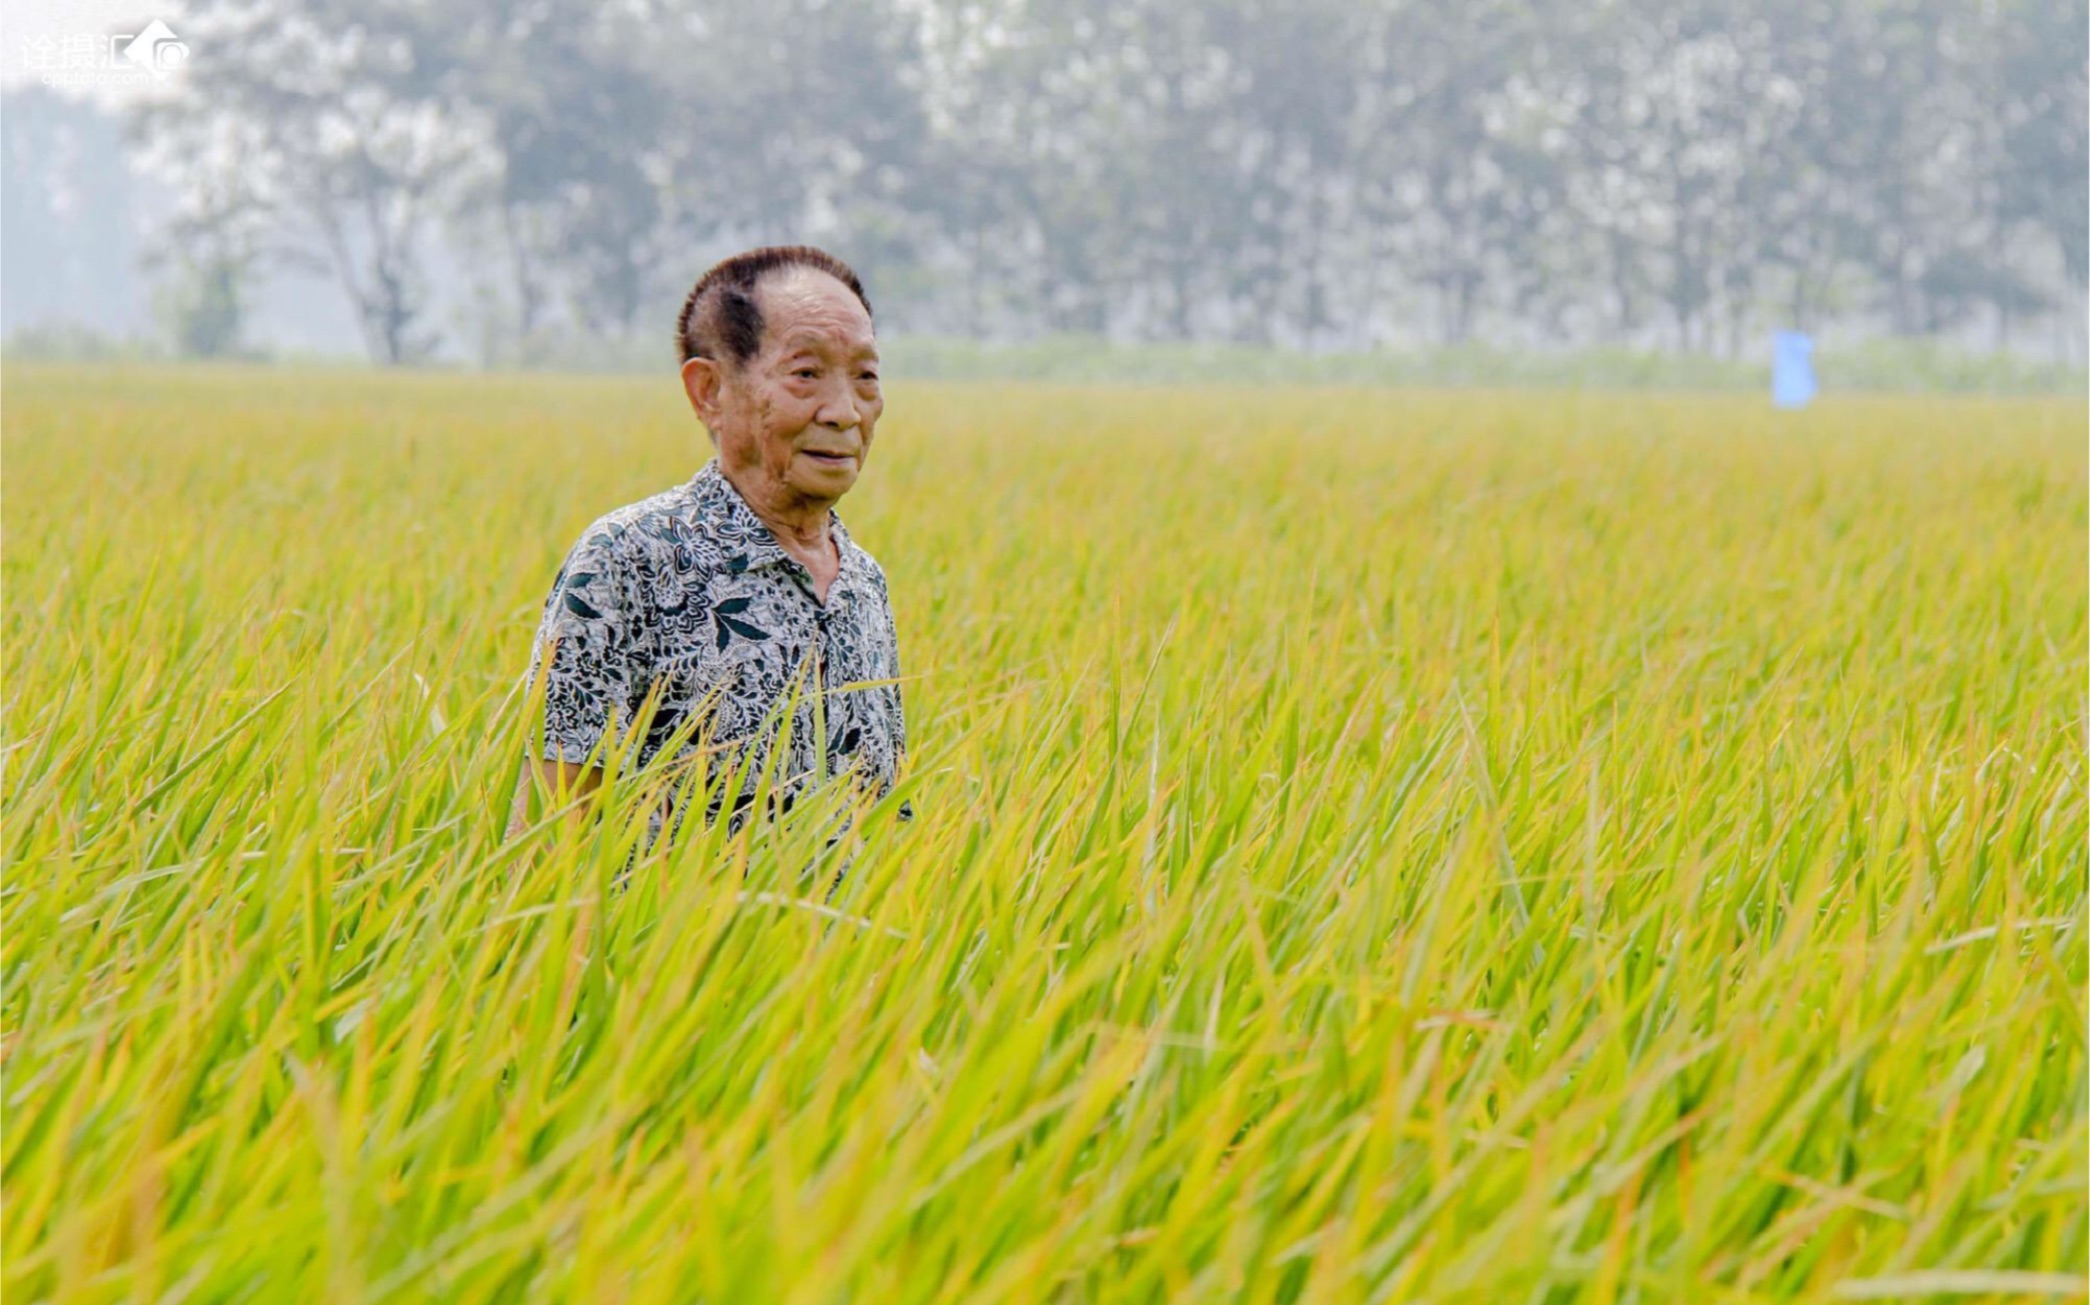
{"points": [[799, 524]]}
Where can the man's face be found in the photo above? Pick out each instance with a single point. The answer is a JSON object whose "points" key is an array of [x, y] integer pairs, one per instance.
{"points": [[794, 422]]}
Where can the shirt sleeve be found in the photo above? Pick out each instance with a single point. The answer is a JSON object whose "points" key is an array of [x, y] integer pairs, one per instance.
{"points": [[592, 646]]}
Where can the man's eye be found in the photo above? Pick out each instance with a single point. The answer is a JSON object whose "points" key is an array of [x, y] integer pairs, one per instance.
{"points": [[805, 373], [872, 377]]}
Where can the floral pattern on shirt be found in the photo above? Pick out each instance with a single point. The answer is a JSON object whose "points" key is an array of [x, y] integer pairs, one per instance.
{"points": [[689, 590]]}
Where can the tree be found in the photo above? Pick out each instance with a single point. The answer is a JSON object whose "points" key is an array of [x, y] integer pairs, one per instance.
{"points": [[350, 135], [1303, 172]]}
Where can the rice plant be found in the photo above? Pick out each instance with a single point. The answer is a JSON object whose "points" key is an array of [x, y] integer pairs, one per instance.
{"points": [[1370, 846]]}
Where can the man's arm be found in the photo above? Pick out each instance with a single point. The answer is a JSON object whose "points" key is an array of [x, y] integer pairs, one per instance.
{"points": [[591, 649], [562, 782]]}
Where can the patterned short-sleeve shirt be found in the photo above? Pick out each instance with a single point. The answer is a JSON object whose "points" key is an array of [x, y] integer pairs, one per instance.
{"points": [[688, 591]]}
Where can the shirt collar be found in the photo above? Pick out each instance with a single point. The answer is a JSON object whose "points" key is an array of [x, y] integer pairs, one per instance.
{"points": [[747, 541], [854, 575]]}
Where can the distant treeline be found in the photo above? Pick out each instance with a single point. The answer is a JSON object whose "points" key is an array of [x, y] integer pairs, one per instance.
{"points": [[1335, 174]]}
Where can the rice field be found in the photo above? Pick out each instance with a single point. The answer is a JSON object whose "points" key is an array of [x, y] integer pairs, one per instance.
{"points": [[1370, 846]]}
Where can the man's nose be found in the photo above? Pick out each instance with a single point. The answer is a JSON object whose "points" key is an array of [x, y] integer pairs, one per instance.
{"points": [[838, 408]]}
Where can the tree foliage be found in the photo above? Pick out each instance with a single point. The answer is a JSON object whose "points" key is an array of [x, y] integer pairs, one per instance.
{"points": [[1324, 172]]}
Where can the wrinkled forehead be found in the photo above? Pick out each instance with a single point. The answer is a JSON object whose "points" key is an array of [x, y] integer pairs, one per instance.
{"points": [[804, 307]]}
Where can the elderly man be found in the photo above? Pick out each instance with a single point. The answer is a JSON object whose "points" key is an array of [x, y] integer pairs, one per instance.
{"points": [[737, 600]]}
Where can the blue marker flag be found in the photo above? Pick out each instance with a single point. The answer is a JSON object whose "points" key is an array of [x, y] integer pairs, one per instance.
{"points": [[1792, 369]]}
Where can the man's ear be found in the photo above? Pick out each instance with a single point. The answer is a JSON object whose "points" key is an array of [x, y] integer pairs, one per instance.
{"points": [[702, 381]]}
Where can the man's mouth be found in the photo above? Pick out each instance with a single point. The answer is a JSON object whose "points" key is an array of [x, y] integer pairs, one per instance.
{"points": [[833, 459]]}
